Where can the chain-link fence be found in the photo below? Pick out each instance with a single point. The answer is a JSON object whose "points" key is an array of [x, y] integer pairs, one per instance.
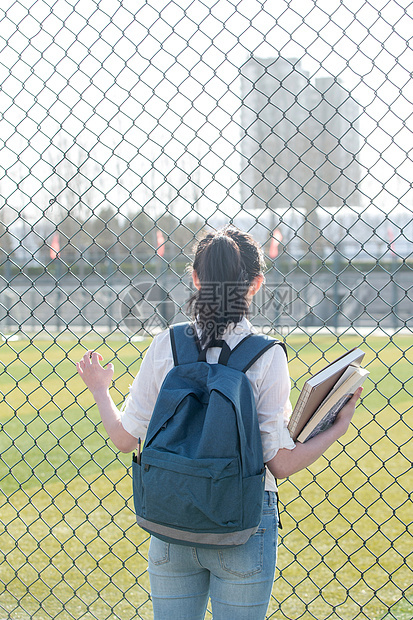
{"points": [[128, 129]]}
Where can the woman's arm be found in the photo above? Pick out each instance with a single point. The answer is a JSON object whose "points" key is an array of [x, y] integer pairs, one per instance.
{"points": [[98, 380], [287, 462]]}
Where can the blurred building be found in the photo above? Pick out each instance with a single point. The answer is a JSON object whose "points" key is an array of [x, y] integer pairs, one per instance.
{"points": [[300, 138]]}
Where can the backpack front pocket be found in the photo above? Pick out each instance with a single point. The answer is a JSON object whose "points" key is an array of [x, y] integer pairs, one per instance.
{"points": [[188, 493]]}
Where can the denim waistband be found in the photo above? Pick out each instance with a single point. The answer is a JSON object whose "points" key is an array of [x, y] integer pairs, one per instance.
{"points": [[270, 499]]}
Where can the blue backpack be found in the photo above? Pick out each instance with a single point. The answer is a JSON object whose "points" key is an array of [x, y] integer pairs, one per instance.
{"points": [[200, 477]]}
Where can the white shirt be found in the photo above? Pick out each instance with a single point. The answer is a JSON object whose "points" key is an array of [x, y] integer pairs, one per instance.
{"points": [[268, 376]]}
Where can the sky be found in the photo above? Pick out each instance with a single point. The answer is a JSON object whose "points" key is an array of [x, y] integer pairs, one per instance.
{"points": [[149, 94]]}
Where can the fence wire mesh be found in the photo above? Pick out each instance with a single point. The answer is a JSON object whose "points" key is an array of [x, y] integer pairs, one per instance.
{"points": [[128, 129]]}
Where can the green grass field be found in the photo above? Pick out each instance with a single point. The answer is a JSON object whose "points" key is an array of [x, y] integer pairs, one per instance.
{"points": [[69, 544]]}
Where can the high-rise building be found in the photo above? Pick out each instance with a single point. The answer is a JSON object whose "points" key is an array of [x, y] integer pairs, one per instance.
{"points": [[300, 138]]}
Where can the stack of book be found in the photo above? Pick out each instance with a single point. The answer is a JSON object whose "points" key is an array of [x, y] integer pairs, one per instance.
{"points": [[324, 394]]}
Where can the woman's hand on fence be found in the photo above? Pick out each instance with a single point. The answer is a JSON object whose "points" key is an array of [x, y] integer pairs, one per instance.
{"points": [[96, 378]]}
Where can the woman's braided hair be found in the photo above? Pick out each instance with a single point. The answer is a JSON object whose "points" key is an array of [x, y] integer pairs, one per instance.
{"points": [[226, 263]]}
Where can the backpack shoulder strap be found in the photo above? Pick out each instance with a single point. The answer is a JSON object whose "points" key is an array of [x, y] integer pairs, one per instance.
{"points": [[186, 347], [184, 342], [250, 349]]}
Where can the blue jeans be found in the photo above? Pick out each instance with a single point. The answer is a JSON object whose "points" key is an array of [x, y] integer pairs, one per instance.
{"points": [[238, 580]]}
